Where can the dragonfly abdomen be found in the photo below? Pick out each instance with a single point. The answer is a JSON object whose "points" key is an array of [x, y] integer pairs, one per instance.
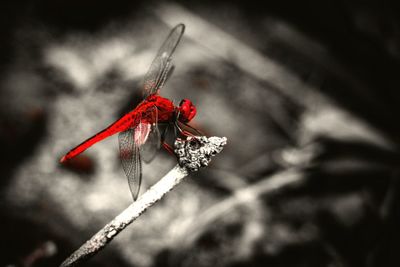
{"points": [[120, 125], [141, 114]]}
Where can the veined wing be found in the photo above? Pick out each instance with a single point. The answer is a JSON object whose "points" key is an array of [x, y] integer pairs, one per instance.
{"points": [[130, 142], [152, 143], [142, 141], [161, 65]]}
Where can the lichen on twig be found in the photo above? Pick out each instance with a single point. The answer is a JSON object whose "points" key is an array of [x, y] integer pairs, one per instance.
{"points": [[192, 153]]}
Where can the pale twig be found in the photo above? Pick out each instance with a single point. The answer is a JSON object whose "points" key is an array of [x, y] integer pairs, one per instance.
{"points": [[192, 154]]}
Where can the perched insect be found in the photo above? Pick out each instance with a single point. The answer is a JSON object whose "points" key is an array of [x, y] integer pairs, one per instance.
{"points": [[139, 134]]}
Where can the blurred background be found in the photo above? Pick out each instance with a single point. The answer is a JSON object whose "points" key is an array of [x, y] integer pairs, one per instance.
{"points": [[307, 93]]}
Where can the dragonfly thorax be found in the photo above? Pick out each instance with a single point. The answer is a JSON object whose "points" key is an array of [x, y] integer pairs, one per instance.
{"points": [[187, 111]]}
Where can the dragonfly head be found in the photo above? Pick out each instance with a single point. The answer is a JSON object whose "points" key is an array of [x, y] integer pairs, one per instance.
{"points": [[187, 110]]}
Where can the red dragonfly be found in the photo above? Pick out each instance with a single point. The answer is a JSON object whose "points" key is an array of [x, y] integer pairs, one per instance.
{"points": [[139, 135]]}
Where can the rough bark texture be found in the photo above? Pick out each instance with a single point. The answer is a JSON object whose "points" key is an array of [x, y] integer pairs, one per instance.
{"points": [[108, 232]]}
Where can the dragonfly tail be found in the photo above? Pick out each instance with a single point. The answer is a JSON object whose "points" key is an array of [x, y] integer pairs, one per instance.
{"points": [[88, 143], [63, 159]]}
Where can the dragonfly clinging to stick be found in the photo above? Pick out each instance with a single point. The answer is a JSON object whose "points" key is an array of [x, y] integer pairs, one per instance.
{"points": [[139, 134]]}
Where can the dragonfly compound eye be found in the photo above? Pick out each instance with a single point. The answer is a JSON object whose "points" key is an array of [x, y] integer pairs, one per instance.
{"points": [[187, 110]]}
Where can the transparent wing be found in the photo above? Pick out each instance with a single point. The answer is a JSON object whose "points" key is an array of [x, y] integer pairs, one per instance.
{"points": [[153, 141], [131, 162], [161, 65]]}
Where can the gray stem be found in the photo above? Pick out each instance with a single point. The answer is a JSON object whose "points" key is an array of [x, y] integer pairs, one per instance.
{"points": [[193, 153], [131, 213]]}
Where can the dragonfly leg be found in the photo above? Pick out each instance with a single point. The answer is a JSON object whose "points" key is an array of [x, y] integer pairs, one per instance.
{"points": [[186, 133], [194, 129], [168, 148], [183, 132]]}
